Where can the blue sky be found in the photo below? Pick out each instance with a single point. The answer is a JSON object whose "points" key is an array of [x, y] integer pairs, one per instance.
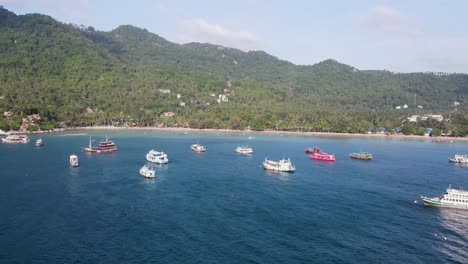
{"points": [[400, 36]]}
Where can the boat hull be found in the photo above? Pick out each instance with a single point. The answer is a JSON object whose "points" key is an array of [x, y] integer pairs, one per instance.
{"points": [[458, 160], [434, 202], [245, 152], [15, 142], [147, 176], [277, 169], [360, 157], [93, 150], [322, 157], [278, 166]]}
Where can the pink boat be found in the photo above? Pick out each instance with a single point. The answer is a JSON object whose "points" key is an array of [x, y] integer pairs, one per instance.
{"points": [[317, 154]]}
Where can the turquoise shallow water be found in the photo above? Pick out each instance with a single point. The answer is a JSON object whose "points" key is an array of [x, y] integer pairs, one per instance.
{"points": [[221, 207]]}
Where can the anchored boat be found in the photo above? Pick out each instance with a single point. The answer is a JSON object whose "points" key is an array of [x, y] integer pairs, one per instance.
{"points": [[281, 165], [317, 154], [39, 143], [74, 160], [361, 156], [459, 158], [244, 150], [147, 172], [452, 198], [16, 139], [103, 147], [198, 148], [157, 157]]}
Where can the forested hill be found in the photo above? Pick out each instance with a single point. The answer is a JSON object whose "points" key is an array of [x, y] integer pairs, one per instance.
{"points": [[83, 76]]}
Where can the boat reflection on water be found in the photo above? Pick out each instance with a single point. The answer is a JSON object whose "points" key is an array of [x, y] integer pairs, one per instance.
{"points": [[453, 235]]}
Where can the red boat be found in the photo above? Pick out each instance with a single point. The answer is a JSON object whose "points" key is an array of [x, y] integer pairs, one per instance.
{"points": [[317, 154]]}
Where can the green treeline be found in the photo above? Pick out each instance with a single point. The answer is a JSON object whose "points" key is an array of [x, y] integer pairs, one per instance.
{"points": [[80, 76]]}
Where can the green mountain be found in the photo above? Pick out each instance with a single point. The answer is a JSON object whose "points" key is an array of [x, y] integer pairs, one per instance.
{"points": [[83, 76]]}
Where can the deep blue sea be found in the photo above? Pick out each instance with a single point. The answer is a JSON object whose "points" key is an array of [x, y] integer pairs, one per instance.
{"points": [[222, 207]]}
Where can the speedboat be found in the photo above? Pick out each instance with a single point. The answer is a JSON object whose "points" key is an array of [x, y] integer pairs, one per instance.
{"points": [[457, 158], [74, 160], [198, 148], [361, 156], [147, 172], [317, 154], [244, 150], [281, 165], [16, 139], [39, 143], [157, 157]]}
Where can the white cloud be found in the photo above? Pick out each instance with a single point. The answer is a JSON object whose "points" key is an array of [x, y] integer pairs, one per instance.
{"points": [[391, 22], [199, 30]]}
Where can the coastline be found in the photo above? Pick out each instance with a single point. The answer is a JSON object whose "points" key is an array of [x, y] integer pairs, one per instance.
{"points": [[274, 132]]}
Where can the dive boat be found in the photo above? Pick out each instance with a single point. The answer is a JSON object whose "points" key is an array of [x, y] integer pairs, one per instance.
{"points": [[16, 139], [452, 198], [74, 160], [157, 157], [457, 158], [198, 148], [104, 146], [282, 165], [244, 150], [147, 172], [39, 143], [317, 154], [361, 156]]}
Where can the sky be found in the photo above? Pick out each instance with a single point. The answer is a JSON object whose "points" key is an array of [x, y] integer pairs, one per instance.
{"points": [[398, 35]]}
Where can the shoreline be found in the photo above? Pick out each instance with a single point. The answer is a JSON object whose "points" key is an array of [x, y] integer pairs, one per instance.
{"points": [[273, 132]]}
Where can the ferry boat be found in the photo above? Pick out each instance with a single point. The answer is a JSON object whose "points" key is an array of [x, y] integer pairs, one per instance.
{"points": [[282, 165], [452, 198], [317, 154], [104, 146], [147, 172], [74, 160], [244, 150], [459, 158], [16, 139], [361, 156], [198, 148], [39, 143], [157, 157]]}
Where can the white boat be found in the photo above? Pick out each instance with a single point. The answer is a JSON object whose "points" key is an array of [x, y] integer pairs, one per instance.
{"points": [[147, 172], [157, 157], [39, 143], [452, 198], [282, 165], [457, 158], [244, 150], [74, 160], [16, 139], [198, 148]]}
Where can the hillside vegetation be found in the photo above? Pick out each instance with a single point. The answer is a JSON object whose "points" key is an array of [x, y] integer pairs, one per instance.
{"points": [[87, 77]]}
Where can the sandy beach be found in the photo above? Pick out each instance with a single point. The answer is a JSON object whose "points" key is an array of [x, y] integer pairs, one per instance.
{"points": [[274, 132]]}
